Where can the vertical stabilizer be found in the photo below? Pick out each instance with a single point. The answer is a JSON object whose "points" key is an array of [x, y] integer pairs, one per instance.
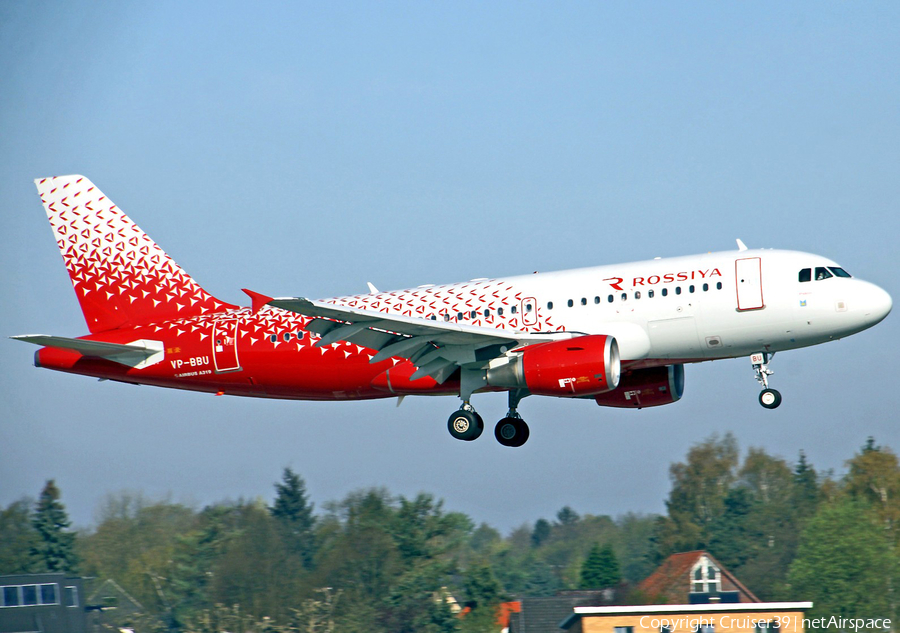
{"points": [[121, 277]]}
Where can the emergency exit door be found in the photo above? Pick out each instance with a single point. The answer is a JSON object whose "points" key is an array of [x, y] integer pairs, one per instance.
{"points": [[748, 278]]}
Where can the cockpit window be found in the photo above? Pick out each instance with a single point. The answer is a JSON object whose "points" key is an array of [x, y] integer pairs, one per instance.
{"points": [[822, 273], [806, 274], [839, 272]]}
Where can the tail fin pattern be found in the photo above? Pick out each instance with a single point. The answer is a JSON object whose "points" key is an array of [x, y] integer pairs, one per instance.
{"points": [[121, 277]]}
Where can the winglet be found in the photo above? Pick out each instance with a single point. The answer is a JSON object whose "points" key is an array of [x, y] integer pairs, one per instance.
{"points": [[257, 300], [372, 289], [741, 245]]}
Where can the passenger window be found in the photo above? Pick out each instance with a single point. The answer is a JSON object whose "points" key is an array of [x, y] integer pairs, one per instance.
{"points": [[487, 313], [287, 336], [624, 297], [691, 288], [499, 311], [839, 272], [718, 285], [447, 316], [649, 294], [678, 290], [513, 309], [549, 305], [570, 303], [822, 273], [584, 301], [459, 316], [596, 299], [637, 294], [705, 287], [610, 298], [806, 274], [274, 338], [473, 314], [665, 292]]}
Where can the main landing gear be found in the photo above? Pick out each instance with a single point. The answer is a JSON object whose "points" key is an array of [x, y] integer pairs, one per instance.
{"points": [[465, 424], [769, 398]]}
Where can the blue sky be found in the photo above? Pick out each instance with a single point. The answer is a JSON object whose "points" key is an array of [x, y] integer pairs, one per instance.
{"points": [[307, 148]]}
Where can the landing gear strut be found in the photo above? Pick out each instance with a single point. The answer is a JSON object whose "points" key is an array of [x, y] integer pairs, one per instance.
{"points": [[465, 424], [769, 398]]}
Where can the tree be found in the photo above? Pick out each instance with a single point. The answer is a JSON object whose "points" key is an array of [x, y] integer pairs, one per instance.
{"points": [[294, 514], [874, 476], [19, 537], [54, 549], [600, 569], [541, 532], [845, 563]]}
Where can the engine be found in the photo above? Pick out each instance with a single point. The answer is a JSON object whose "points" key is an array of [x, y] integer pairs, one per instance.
{"points": [[581, 366], [650, 387]]}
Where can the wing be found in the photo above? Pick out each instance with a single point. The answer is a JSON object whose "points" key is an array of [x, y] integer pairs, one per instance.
{"points": [[436, 348]]}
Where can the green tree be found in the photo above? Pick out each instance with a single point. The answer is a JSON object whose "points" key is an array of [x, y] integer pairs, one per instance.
{"points": [[874, 476], [483, 596], [294, 514], [541, 532], [54, 547], [845, 563], [19, 537], [600, 569]]}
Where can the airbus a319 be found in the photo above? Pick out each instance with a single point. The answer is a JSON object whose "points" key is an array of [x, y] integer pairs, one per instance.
{"points": [[618, 335]]}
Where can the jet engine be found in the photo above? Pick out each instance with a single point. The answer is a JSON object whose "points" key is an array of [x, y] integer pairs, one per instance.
{"points": [[649, 387], [581, 366]]}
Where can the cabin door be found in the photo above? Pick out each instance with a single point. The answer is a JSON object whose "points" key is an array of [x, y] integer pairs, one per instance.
{"points": [[224, 343], [748, 279]]}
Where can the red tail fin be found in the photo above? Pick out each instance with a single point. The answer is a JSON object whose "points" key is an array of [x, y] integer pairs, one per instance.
{"points": [[121, 277]]}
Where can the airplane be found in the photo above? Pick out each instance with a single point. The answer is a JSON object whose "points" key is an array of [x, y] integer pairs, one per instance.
{"points": [[619, 335]]}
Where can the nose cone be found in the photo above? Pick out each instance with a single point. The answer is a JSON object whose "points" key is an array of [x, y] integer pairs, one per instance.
{"points": [[878, 304]]}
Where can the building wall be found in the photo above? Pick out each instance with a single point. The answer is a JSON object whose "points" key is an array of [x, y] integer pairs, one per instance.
{"points": [[64, 615], [730, 622]]}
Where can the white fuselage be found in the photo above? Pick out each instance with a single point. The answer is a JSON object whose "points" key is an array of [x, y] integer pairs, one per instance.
{"points": [[680, 309]]}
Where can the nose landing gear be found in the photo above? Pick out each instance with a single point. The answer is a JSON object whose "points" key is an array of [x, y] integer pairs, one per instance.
{"points": [[769, 398]]}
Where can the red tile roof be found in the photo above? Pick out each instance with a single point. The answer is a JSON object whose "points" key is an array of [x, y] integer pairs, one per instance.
{"points": [[671, 580]]}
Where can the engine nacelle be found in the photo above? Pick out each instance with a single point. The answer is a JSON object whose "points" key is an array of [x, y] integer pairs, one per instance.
{"points": [[649, 387], [581, 366]]}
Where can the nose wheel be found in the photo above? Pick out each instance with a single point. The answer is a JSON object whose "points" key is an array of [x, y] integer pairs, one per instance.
{"points": [[769, 398]]}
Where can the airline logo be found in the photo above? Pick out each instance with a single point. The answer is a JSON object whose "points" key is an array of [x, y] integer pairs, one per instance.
{"points": [[667, 278]]}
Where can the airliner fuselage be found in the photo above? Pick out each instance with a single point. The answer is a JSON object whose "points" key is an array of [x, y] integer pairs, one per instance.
{"points": [[619, 334]]}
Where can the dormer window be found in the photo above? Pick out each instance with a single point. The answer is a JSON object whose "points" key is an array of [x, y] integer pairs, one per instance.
{"points": [[705, 577]]}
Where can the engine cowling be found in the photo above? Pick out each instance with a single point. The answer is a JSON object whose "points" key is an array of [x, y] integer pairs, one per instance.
{"points": [[651, 387], [581, 366]]}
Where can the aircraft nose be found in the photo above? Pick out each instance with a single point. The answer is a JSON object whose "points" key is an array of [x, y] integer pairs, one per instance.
{"points": [[878, 304]]}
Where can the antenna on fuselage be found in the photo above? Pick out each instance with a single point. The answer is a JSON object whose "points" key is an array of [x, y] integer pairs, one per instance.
{"points": [[741, 245]]}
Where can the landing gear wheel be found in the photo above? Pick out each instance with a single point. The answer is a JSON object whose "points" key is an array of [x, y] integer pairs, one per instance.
{"points": [[465, 425], [511, 432], [769, 398]]}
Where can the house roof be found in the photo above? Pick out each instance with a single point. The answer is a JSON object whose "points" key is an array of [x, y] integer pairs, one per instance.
{"points": [[676, 567], [543, 615]]}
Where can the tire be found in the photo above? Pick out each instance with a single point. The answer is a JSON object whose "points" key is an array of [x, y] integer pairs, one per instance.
{"points": [[511, 432], [465, 425], [769, 398]]}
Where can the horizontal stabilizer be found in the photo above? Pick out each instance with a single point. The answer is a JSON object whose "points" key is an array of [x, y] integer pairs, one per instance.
{"points": [[138, 354]]}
